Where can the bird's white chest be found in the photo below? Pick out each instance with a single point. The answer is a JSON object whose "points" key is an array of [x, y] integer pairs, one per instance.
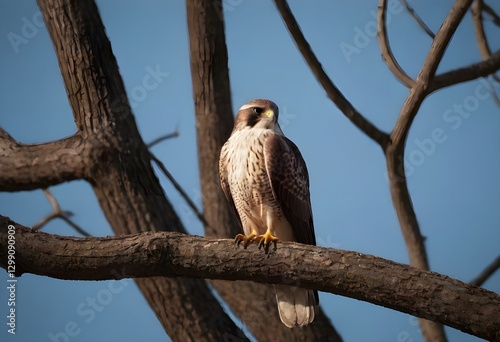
{"points": [[247, 176]]}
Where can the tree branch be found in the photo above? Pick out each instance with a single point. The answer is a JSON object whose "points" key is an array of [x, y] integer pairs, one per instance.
{"points": [[364, 277], [494, 15], [55, 162], [162, 138], [179, 188], [482, 42], [58, 213], [487, 272], [465, 74], [434, 56], [401, 198], [385, 47], [417, 18], [332, 91]]}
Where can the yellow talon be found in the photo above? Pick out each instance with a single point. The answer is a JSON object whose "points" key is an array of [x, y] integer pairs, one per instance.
{"points": [[265, 240], [245, 239]]}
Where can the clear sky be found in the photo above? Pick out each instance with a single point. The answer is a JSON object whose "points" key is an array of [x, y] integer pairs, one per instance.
{"points": [[453, 179]]}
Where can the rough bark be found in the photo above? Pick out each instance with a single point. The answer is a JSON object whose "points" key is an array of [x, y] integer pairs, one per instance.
{"points": [[63, 161], [364, 277], [214, 122], [117, 164]]}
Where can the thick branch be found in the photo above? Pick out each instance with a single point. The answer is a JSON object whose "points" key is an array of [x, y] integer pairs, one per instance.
{"points": [[331, 90], [385, 47], [34, 166], [364, 277], [121, 175]]}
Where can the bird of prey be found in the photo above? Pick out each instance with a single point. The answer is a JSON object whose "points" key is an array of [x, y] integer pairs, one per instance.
{"points": [[265, 179]]}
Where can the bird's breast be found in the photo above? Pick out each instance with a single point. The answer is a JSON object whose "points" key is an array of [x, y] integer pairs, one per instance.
{"points": [[247, 175]]}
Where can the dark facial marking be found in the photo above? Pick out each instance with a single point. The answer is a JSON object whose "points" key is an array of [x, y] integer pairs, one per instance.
{"points": [[254, 116]]}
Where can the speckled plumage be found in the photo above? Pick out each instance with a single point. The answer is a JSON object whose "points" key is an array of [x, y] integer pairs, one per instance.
{"points": [[265, 179]]}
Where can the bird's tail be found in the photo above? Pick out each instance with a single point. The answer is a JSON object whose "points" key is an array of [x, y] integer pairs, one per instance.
{"points": [[296, 306]]}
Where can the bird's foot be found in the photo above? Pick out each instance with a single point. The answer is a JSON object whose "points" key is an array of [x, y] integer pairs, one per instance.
{"points": [[265, 240], [245, 239]]}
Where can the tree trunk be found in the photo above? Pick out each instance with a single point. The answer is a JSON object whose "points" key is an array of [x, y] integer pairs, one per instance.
{"points": [[117, 164], [254, 304]]}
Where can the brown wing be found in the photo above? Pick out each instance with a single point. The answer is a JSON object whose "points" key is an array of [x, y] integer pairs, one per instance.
{"points": [[289, 179], [223, 180]]}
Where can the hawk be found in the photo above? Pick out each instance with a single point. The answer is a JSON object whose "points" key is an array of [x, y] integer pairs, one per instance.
{"points": [[265, 179]]}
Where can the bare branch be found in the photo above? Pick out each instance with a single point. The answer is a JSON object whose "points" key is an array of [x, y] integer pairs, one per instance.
{"points": [[434, 56], [468, 73], [494, 16], [58, 213], [385, 47], [400, 287], [487, 272], [417, 18], [179, 188], [158, 140], [477, 18], [401, 198], [55, 162], [332, 91]]}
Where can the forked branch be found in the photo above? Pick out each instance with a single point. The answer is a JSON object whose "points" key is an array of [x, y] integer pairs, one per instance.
{"points": [[332, 91]]}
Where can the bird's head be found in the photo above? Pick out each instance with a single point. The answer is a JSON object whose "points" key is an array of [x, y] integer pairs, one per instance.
{"points": [[258, 113]]}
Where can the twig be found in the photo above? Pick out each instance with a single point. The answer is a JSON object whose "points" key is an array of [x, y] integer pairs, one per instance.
{"points": [[332, 91], [494, 16], [179, 188], [482, 42], [385, 47], [58, 213], [158, 140], [486, 273], [167, 174], [419, 20]]}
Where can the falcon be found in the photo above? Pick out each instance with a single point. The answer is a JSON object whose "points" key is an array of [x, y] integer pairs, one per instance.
{"points": [[265, 180]]}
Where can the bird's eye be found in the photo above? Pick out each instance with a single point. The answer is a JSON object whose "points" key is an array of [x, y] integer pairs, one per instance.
{"points": [[258, 110]]}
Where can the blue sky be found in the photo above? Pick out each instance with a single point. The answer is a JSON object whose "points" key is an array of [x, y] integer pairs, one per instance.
{"points": [[452, 151]]}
